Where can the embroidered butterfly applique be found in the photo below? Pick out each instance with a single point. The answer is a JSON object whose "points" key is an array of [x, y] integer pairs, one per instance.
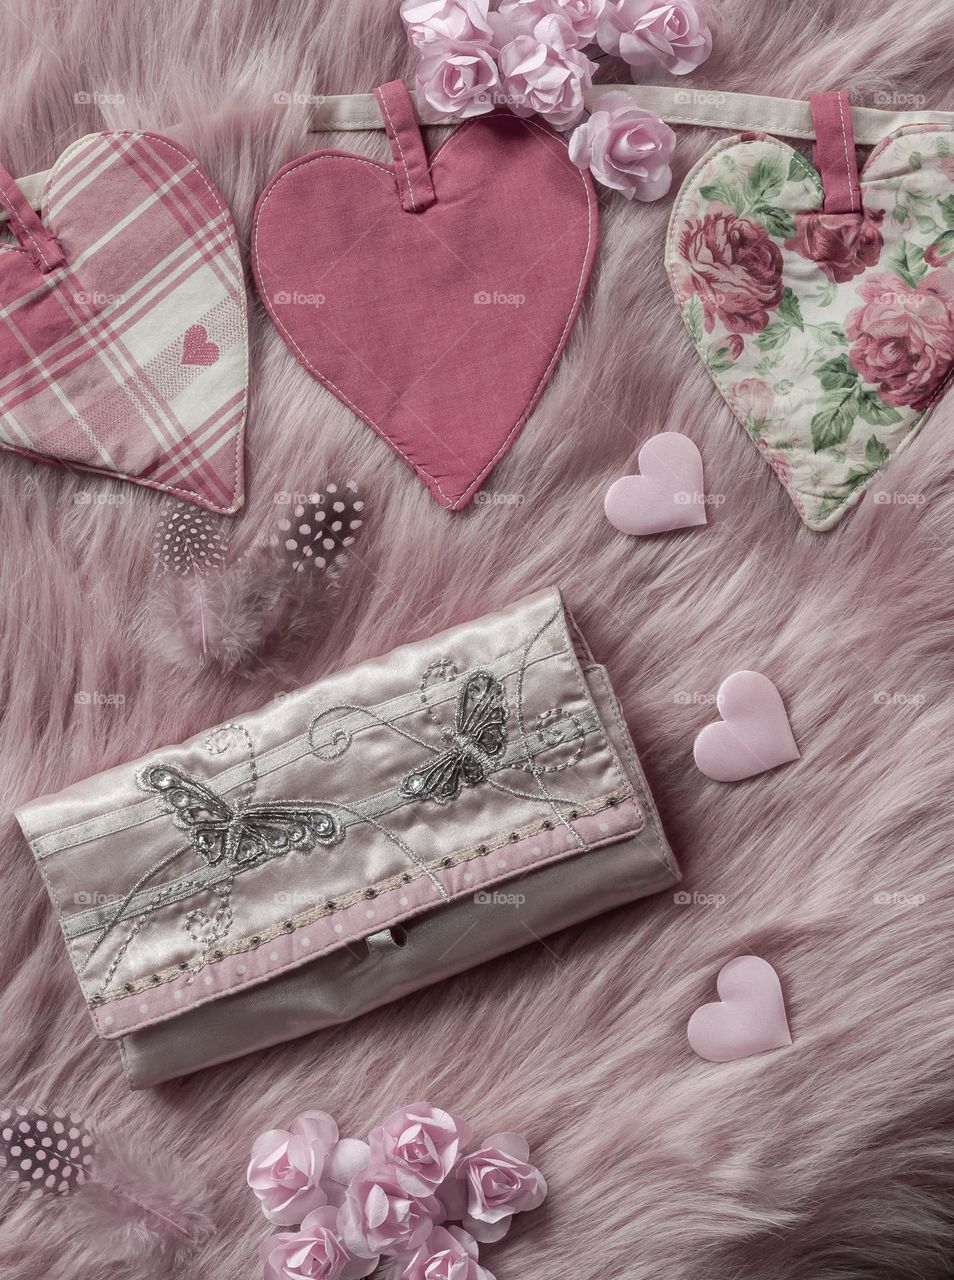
{"points": [[243, 834], [479, 735]]}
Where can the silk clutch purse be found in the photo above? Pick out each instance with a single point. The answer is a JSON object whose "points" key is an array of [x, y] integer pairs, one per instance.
{"points": [[361, 838]]}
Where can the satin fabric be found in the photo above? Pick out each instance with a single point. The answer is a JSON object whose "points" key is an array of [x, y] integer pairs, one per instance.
{"points": [[126, 925]]}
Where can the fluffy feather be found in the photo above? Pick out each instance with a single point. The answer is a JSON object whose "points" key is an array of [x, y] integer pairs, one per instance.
{"points": [[831, 1161], [141, 1206]]}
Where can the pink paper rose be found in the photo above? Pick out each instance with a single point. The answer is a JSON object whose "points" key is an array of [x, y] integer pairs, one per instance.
{"points": [[447, 1254], [843, 244], [490, 1185], [456, 80], [625, 148], [542, 73], [580, 17], [902, 337], [295, 1171], [378, 1217], [439, 22], [315, 1252], [673, 35], [735, 268], [417, 1147]]}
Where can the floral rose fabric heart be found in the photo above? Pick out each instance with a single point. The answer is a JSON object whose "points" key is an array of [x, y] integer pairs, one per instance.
{"points": [[830, 335]]}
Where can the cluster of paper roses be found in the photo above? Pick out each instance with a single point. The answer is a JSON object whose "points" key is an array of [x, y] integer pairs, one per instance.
{"points": [[391, 1199], [530, 56]]}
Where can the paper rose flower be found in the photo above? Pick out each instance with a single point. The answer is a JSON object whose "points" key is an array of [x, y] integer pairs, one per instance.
{"points": [[457, 80], [521, 16], [432, 22], [313, 1253], [295, 1171], [670, 33], [490, 1185], [446, 1254], [542, 73], [417, 1147], [378, 1217], [625, 148]]}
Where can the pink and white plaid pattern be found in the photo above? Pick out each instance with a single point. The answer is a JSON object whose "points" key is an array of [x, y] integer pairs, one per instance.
{"points": [[131, 358]]}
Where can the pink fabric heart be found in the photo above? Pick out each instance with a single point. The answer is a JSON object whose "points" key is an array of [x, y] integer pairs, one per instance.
{"points": [[196, 347], [432, 296], [668, 494], [138, 327], [754, 734], [748, 1018]]}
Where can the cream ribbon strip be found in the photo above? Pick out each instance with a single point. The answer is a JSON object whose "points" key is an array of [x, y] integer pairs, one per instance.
{"points": [[708, 108]]}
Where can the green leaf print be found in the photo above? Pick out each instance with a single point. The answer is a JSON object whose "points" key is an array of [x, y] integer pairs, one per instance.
{"points": [[837, 374], [947, 210], [876, 453], [789, 310], [832, 423], [777, 222], [719, 360], [943, 147], [722, 193], [907, 260], [870, 406], [692, 314], [796, 169], [775, 334], [830, 334], [765, 181]]}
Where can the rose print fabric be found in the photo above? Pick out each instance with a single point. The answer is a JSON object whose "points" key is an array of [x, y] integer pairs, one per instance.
{"points": [[831, 336]]}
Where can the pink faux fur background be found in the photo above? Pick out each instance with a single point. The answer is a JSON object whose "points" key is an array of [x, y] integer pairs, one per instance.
{"points": [[832, 1159]]}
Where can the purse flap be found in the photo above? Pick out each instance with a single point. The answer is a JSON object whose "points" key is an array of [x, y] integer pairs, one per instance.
{"points": [[333, 814]]}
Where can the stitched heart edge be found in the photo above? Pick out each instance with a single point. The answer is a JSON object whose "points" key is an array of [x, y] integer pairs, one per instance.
{"points": [[690, 184], [190, 495], [592, 234]]}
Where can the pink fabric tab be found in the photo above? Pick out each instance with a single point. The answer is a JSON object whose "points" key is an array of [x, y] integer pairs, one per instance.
{"points": [[411, 166], [43, 248], [835, 152]]}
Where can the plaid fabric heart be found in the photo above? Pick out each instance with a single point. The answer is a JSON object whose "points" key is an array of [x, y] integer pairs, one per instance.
{"points": [[123, 334], [830, 334]]}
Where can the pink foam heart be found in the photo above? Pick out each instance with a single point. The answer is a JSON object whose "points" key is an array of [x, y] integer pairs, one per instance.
{"points": [[754, 734], [432, 296], [748, 1018], [196, 347], [668, 494]]}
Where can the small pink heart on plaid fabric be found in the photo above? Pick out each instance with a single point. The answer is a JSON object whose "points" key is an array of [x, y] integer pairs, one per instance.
{"points": [[125, 351], [754, 734], [433, 296], [748, 1018], [669, 492], [196, 347]]}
